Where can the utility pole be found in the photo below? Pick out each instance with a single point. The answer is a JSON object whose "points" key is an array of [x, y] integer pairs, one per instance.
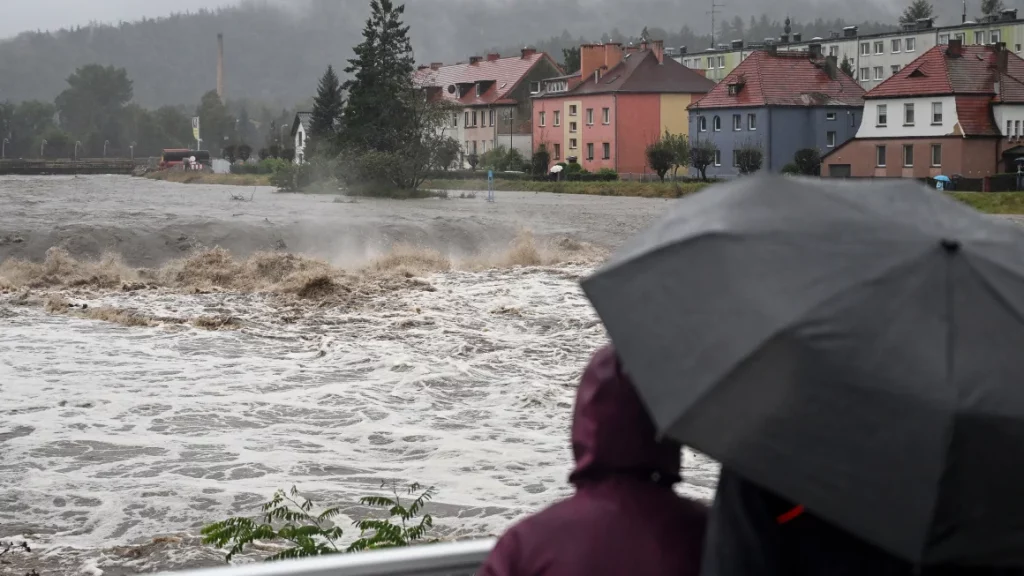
{"points": [[715, 5]]}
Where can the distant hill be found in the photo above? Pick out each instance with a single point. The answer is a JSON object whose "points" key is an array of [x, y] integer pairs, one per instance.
{"points": [[275, 55]]}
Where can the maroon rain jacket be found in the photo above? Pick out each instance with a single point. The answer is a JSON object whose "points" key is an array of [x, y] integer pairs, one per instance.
{"points": [[625, 518]]}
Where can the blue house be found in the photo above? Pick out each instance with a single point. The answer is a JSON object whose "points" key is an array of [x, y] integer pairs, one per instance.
{"points": [[780, 102]]}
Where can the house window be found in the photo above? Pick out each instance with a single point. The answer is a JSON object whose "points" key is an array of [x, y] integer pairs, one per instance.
{"points": [[943, 39], [993, 36], [895, 69], [1016, 128], [830, 139], [590, 116], [455, 119], [961, 36], [1009, 128], [737, 122], [853, 119], [466, 123], [711, 62], [833, 50], [474, 119], [607, 118], [301, 134], [1016, 48], [908, 114], [558, 151], [572, 127], [936, 112], [979, 37], [534, 87], [896, 45], [830, 116], [543, 118], [865, 48], [492, 117], [910, 44], [721, 61], [865, 74], [466, 147], [751, 121], [572, 143], [572, 110], [879, 47], [718, 157], [883, 115], [880, 156], [878, 72], [735, 158], [607, 150], [703, 124], [936, 154], [558, 118], [716, 123], [474, 146], [908, 155], [590, 151]]}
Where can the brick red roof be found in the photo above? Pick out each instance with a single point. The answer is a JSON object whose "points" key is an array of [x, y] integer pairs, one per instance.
{"points": [[640, 72], [975, 72], [500, 78], [783, 79]]}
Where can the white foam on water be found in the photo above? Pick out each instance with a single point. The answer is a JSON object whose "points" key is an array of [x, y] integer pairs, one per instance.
{"points": [[115, 435]]}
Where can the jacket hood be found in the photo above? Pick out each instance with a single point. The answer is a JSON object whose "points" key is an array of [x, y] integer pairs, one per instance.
{"points": [[612, 434]]}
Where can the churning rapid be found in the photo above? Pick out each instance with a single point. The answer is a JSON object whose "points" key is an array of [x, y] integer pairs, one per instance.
{"points": [[171, 355]]}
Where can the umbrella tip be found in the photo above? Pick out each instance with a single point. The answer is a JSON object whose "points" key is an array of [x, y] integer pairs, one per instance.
{"points": [[950, 245]]}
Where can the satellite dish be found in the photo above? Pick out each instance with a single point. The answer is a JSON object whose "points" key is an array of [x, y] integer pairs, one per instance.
{"points": [[451, 88], [192, 159]]}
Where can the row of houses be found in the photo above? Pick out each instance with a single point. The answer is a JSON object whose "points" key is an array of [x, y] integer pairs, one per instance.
{"points": [[953, 109]]}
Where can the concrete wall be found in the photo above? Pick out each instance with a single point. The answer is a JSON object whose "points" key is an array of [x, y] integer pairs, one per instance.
{"points": [[674, 116], [727, 139], [973, 158], [896, 127]]}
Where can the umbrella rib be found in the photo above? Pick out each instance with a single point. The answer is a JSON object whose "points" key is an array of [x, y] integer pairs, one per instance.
{"points": [[994, 289]]}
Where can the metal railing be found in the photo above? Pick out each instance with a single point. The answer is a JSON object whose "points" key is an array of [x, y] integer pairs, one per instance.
{"points": [[452, 559]]}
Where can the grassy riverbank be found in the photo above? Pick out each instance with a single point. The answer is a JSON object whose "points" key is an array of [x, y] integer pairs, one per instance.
{"points": [[182, 177], [614, 188]]}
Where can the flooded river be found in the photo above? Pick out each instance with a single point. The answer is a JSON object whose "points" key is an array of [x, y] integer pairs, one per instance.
{"points": [[153, 383]]}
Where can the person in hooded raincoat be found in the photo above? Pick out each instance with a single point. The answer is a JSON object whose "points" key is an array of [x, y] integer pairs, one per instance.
{"points": [[624, 518]]}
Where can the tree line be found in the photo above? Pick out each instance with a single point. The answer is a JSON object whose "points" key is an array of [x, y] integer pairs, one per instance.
{"points": [[95, 116]]}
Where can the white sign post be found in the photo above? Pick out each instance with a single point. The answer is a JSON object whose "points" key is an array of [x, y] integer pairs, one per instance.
{"points": [[195, 133]]}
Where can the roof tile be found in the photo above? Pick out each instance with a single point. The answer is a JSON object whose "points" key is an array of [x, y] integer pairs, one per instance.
{"points": [[640, 72], [937, 73], [501, 75]]}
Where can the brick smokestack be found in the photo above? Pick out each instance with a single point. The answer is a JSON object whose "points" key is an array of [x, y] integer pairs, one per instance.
{"points": [[220, 66]]}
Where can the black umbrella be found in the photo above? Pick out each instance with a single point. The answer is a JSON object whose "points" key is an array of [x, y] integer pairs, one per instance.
{"points": [[857, 348]]}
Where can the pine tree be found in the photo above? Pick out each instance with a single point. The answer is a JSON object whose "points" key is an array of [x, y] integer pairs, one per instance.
{"points": [[379, 111], [327, 109], [846, 67], [918, 9], [991, 7]]}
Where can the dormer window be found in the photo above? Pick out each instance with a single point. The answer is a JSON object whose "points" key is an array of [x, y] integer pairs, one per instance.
{"points": [[478, 90], [735, 88]]}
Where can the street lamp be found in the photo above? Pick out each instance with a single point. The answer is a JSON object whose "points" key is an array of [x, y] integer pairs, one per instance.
{"points": [[132, 147], [3, 148], [42, 148], [508, 116], [78, 145], [105, 144]]}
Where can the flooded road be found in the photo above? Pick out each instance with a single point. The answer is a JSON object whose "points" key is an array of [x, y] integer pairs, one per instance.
{"points": [[452, 364]]}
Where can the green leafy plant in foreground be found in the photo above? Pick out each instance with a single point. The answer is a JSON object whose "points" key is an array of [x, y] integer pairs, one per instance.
{"points": [[289, 517]]}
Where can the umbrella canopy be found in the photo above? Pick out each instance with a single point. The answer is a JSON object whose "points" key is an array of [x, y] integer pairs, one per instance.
{"points": [[857, 348], [557, 168], [943, 178]]}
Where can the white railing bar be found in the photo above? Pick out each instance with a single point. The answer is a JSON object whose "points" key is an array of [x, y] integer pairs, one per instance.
{"points": [[455, 558]]}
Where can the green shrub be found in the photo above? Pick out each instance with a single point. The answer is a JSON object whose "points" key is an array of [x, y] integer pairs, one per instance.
{"points": [[790, 169], [608, 174], [291, 518]]}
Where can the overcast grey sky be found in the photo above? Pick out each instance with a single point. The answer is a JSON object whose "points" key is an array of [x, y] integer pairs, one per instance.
{"points": [[22, 15]]}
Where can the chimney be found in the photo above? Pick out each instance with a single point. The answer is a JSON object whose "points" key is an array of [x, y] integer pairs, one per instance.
{"points": [[784, 39], [422, 67], [831, 67], [436, 65], [658, 47], [529, 52], [815, 50], [850, 32], [474, 60], [1002, 57], [595, 57], [797, 36], [773, 49], [682, 50], [220, 66], [493, 57], [955, 48]]}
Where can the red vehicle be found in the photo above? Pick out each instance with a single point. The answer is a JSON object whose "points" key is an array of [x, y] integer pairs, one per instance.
{"points": [[174, 157]]}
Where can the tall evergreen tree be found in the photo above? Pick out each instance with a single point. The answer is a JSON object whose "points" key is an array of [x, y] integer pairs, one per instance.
{"points": [[380, 107], [327, 109], [918, 9]]}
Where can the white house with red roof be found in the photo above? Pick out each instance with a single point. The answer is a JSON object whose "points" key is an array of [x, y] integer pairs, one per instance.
{"points": [[781, 102], [493, 94], [955, 110]]}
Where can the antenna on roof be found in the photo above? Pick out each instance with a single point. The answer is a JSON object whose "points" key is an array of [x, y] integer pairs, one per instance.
{"points": [[963, 15], [715, 5]]}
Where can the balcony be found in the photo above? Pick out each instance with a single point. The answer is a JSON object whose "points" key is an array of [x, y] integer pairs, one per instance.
{"points": [[452, 559]]}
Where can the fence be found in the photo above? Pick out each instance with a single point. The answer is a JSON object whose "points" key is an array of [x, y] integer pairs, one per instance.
{"points": [[452, 559], [84, 166]]}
